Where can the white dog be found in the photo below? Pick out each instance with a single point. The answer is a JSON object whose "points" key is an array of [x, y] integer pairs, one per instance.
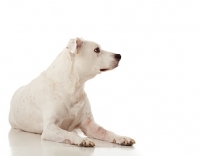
{"points": [[55, 103]]}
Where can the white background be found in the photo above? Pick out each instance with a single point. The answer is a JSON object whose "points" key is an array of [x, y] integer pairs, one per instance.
{"points": [[154, 94]]}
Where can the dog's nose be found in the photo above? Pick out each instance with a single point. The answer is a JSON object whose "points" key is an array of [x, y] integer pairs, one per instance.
{"points": [[118, 56]]}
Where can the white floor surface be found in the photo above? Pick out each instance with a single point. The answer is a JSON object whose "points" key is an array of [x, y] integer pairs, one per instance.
{"points": [[164, 143]]}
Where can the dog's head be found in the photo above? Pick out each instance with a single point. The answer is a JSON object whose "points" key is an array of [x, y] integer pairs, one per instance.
{"points": [[90, 59]]}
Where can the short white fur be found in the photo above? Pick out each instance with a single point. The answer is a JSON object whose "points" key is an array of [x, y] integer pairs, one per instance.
{"points": [[55, 103]]}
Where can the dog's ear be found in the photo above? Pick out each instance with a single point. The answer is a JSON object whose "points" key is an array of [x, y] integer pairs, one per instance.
{"points": [[73, 44]]}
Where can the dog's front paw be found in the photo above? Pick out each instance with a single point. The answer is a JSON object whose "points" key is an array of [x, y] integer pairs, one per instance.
{"points": [[124, 141], [86, 143]]}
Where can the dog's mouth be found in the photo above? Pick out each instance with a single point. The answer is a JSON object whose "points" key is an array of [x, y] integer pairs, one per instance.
{"points": [[104, 69], [112, 66], [107, 69]]}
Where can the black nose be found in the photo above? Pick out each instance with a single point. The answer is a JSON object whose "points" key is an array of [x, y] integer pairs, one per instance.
{"points": [[118, 56]]}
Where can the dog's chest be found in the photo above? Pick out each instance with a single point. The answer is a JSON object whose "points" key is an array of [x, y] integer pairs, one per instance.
{"points": [[75, 104], [74, 111], [77, 98]]}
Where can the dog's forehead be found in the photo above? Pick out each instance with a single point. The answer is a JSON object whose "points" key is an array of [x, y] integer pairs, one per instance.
{"points": [[92, 44]]}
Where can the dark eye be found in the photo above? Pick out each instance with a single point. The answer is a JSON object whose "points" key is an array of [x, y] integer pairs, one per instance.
{"points": [[97, 50]]}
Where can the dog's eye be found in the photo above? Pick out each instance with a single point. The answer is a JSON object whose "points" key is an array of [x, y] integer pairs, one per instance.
{"points": [[97, 50]]}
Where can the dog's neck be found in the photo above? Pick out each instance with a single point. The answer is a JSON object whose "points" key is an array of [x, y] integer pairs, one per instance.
{"points": [[64, 70]]}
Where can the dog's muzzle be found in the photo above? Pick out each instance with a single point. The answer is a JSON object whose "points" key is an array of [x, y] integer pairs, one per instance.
{"points": [[114, 63]]}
